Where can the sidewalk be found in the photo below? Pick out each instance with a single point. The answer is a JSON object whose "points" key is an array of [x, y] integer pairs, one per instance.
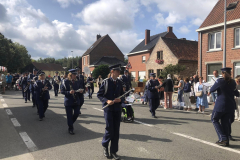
{"points": [[12, 146]]}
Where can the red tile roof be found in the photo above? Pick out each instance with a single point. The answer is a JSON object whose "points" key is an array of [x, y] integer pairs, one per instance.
{"points": [[48, 66], [216, 16], [182, 49]]}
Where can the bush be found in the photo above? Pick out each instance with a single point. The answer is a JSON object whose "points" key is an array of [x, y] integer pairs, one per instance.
{"points": [[172, 69], [102, 70]]}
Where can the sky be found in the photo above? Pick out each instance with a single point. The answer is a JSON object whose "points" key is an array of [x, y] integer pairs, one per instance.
{"points": [[54, 28]]}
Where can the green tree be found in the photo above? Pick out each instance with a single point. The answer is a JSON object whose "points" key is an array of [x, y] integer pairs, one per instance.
{"points": [[172, 69], [102, 70]]}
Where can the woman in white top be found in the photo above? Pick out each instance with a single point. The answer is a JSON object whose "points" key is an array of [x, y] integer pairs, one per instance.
{"points": [[202, 102], [99, 81]]}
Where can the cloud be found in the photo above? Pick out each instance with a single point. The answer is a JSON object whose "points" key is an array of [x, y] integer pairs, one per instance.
{"points": [[197, 21], [184, 30], [66, 3], [3, 13]]}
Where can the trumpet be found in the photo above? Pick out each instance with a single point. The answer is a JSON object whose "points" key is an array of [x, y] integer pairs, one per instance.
{"points": [[26, 88]]}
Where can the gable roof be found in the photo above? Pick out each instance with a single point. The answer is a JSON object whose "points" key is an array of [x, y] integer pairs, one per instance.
{"points": [[153, 41], [109, 60], [94, 45], [216, 16], [182, 49], [48, 66]]}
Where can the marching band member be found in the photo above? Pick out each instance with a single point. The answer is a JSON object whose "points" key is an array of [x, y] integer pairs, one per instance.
{"points": [[82, 86], [55, 82], [20, 83], [153, 98], [42, 87], [31, 80], [90, 80], [25, 87], [224, 106], [110, 89], [71, 99]]}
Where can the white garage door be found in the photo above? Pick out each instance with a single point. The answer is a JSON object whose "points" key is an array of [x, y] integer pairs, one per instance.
{"points": [[141, 74]]}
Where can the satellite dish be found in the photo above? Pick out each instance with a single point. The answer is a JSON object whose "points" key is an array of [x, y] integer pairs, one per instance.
{"points": [[86, 70]]}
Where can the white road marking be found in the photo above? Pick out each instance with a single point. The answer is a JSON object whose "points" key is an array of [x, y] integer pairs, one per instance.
{"points": [[149, 125], [208, 143], [5, 105], [9, 112], [15, 122], [2, 100], [141, 149], [98, 109], [29, 143]]}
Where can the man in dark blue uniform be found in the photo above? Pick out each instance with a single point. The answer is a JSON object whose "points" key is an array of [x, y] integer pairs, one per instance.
{"points": [[55, 82], [42, 87], [152, 87], [71, 99], [80, 79], [110, 89], [225, 105], [25, 86], [31, 80], [20, 83], [90, 81], [126, 79]]}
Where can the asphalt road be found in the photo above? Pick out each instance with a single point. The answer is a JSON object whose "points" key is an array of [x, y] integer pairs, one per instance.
{"points": [[173, 135]]}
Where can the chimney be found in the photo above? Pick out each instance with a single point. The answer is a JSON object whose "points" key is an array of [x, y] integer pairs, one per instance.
{"points": [[98, 36], [170, 29], [147, 36]]}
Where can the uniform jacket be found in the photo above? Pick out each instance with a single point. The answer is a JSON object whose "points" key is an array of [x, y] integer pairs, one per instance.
{"points": [[38, 86], [152, 91], [110, 91], [225, 95], [88, 81], [65, 89], [126, 80], [34, 78], [24, 82], [81, 81], [53, 82]]}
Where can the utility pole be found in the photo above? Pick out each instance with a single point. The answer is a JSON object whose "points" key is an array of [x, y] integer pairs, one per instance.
{"points": [[224, 42]]}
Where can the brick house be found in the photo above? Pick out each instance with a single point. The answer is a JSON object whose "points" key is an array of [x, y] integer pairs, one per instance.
{"points": [[174, 51], [141, 53], [211, 39], [102, 50]]}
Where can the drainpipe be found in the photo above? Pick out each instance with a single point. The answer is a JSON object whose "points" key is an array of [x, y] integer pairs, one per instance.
{"points": [[200, 67]]}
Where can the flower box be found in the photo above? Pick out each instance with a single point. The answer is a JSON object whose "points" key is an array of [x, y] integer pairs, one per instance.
{"points": [[159, 61]]}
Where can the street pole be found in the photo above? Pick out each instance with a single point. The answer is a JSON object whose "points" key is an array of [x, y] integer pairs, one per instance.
{"points": [[72, 59], [224, 43]]}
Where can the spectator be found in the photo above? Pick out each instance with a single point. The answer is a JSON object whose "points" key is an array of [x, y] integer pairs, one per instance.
{"points": [[3, 80], [191, 81], [180, 89], [237, 99], [9, 79], [213, 80], [161, 90], [200, 91], [168, 91], [187, 90], [99, 81]]}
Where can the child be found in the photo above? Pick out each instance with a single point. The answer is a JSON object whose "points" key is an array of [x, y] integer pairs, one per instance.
{"points": [[127, 108]]}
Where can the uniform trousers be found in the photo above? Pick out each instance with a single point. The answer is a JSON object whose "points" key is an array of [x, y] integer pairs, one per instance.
{"points": [[27, 95], [153, 105], [22, 91], [56, 87], [33, 98], [72, 115], [42, 107], [113, 119], [90, 90], [81, 98], [222, 128]]}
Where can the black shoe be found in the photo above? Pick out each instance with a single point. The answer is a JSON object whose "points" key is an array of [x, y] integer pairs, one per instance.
{"points": [[232, 139], [40, 119], [71, 132], [44, 116], [80, 112], [154, 116], [33, 105], [105, 152], [115, 156], [222, 143], [25, 101]]}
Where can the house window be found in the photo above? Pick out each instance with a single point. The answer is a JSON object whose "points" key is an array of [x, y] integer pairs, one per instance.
{"points": [[83, 60], [143, 59], [232, 6], [150, 71], [236, 69], [133, 75], [159, 72], [215, 40], [160, 55], [211, 68], [237, 38]]}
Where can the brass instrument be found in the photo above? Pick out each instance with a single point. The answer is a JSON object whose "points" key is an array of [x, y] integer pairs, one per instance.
{"points": [[44, 90], [56, 80], [74, 96], [26, 88]]}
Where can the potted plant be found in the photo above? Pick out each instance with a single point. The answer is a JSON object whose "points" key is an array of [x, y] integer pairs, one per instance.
{"points": [[159, 61]]}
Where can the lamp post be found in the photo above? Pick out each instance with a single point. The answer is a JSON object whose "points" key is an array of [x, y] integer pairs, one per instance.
{"points": [[72, 59], [224, 42]]}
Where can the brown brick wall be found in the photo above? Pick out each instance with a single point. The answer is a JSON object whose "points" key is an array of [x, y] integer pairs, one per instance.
{"points": [[170, 35], [218, 56], [191, 68]]}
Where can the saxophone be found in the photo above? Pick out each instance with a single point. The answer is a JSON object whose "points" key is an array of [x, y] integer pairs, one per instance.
{"points": [[74, 96], [56, 80], [44, 90]]}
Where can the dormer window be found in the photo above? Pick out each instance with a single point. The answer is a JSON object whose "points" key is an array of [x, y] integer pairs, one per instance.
{"points": [[232, 6]]}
